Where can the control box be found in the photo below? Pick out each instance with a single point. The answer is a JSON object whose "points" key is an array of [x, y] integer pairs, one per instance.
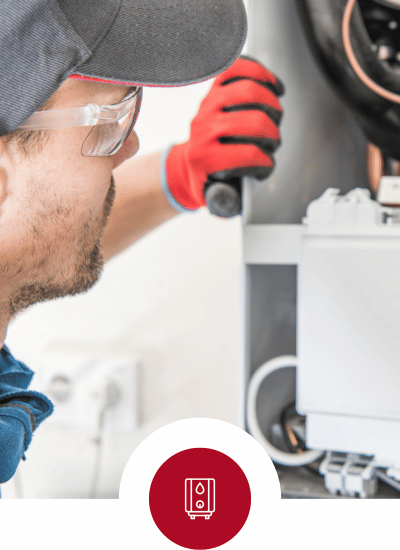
{"points": [[348, 326]]}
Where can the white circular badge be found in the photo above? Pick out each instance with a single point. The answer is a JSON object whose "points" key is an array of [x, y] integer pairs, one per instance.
{"points": [[237, 479]]}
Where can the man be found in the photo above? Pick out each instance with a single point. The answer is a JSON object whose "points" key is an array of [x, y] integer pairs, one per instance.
{"points": [[71, 87]]}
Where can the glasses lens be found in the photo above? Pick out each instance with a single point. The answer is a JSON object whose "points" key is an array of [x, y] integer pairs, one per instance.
{"points": [[107, 137]]}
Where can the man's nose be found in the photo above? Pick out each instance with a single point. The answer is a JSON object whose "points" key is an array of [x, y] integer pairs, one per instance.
{"points": [[128, 149]]}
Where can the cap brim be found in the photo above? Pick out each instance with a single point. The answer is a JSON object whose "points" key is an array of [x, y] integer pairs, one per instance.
{"points": [[168, 42]]}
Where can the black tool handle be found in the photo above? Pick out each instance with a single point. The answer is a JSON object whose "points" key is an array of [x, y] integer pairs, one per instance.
{"points": [[223, 194]]}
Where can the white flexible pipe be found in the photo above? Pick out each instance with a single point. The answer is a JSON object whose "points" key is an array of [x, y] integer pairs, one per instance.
{"points": [[281, 457]]}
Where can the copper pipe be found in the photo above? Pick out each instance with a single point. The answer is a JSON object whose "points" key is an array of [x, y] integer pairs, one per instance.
{"points": [[375, 166], [353, 60]]}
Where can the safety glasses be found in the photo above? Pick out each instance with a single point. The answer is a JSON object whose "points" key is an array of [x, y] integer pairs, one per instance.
{"points": [[112, 124]]}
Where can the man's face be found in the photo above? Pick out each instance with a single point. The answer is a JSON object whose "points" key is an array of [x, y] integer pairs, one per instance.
{"points": [[55, 206]]}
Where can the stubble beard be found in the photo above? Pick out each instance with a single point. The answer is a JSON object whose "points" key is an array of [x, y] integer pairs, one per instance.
{"points": [[88, 266]]}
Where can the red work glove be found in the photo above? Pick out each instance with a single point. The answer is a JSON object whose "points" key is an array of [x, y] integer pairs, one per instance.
{"points": [[235, 131]]}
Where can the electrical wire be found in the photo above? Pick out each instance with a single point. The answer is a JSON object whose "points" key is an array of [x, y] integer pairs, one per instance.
{"points": [[111, 397], [98, 455], [281, 457], [294, 442], [353, 60]]}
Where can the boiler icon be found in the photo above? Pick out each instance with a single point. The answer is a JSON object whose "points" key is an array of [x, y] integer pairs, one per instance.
{"points": [[200, 497]]}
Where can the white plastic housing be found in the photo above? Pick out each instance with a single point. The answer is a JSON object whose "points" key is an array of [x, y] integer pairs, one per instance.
{"points": [[348, 380]]}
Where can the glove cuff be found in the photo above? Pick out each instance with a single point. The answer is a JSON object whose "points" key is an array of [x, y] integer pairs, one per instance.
{"points": [[164, 182], [171, 180]]}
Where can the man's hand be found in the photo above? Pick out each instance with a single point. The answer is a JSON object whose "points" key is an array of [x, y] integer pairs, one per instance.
{"points": [[235, 132]]}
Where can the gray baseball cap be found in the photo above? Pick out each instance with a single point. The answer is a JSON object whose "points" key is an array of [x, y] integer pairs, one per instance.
{"points": [[134, 42]]}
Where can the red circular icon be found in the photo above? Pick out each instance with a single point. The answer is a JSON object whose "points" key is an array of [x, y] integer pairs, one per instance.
{"points": [[200, 498]]}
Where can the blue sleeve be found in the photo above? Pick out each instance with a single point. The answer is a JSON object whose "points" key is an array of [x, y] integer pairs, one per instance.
{"points": [[15, 436], [21, 411]]}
